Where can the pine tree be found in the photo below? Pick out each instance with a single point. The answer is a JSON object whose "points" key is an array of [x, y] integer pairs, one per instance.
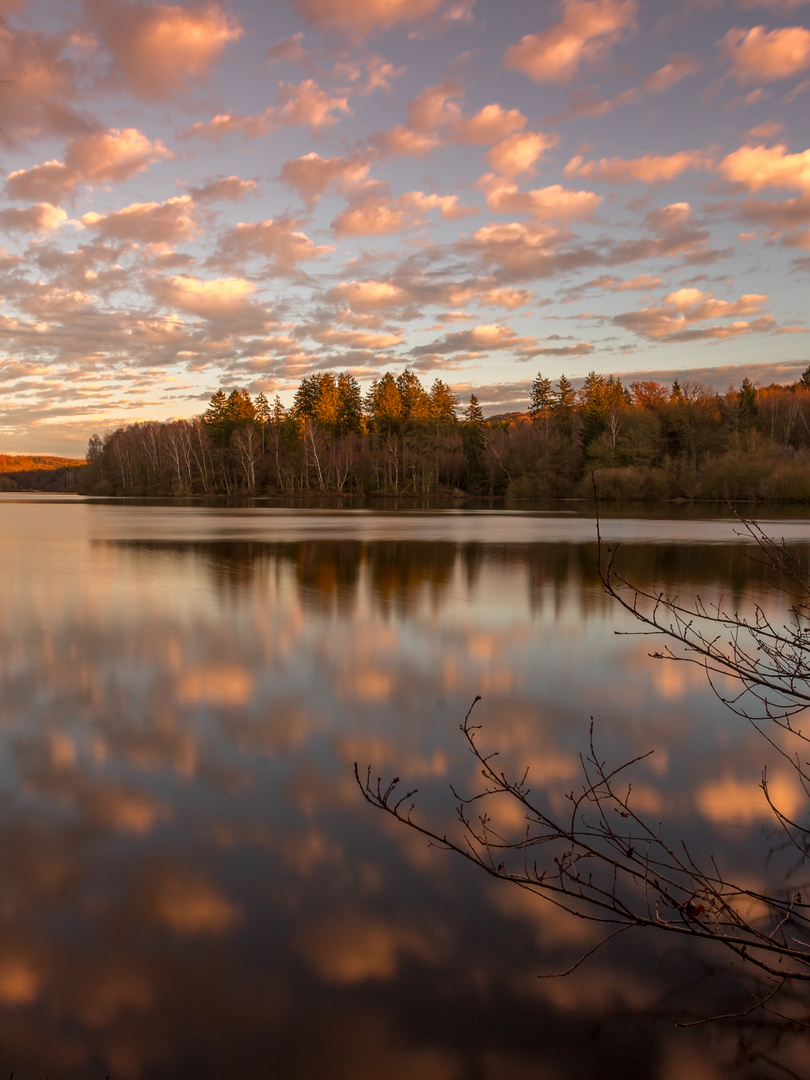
{"points": [[542, 398], [350, 404], [384, 405], [443, 403], [747, 403], [415, 400], [566, 396], [473, 436]]}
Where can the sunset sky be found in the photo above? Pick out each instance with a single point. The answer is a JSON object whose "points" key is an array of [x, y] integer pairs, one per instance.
{"points": [[197, 196]]}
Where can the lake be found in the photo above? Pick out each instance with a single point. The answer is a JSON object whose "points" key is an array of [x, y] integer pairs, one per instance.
{"points": [[191, 885]]}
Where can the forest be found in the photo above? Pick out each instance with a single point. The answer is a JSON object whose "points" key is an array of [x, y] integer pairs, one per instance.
{"points": [[38, 472], [645, 441]]}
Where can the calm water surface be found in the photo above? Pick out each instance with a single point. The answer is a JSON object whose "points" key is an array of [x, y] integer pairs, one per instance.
{"points": [[190, 883]]}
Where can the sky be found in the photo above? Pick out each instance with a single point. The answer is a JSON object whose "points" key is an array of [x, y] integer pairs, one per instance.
{"points": [[198, 196]]}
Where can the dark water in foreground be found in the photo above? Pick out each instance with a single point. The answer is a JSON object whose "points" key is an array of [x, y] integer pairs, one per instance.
{"points": [[190, 883]]}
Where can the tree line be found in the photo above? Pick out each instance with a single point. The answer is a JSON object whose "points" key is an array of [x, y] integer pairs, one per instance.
{"points": [[647, 440]]}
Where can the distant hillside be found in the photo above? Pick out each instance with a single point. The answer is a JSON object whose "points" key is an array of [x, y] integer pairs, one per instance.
{"points": [[38, 472], [35, 462]]}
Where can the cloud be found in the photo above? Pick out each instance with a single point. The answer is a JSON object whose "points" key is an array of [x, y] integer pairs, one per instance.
{"points": [[303, 104], [642, 283], [785, 5], [650, 169], [40, 84], [312, 175], [489, 125], [676, 318], [788, 217], [677, 68], [278, 240], [357, 339], [767, 130], [474, 342], [360, 19], [101, 157], [586, 33], [505, 298], [766, 166], [518, 153], [380, 216], [169, 222], [224, 189], [403, 142], [217, 298], [435, 106], [159, 50], [543, 204], [758, 55], [584, 103], [40, 218], [369, 295]]}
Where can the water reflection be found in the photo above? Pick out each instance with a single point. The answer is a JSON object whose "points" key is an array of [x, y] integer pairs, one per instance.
{"points": [[189, 883]]}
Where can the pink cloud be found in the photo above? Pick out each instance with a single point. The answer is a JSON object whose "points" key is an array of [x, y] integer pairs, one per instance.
{"points": [[435, 107], [758, 55], [370, 295], [381, 216], [357, 339], [543, 204], [39, 88], [40, 218], [650, 169], [360, 19], [519, 153], [767, 130], [676, 318], [766, 166], [506, 298], [584, 103], [783, 5], [158, 49], [475, 342], [169, 222], [403, 142], [671, 73], [224, 189], [280, 241], [488, 125], [586, 33], [103, 156], [641, 283], [312, 175], [219, 298], [305, 104]]}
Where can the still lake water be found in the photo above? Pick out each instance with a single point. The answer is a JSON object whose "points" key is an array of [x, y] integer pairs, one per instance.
{"points": [[190, 883]]}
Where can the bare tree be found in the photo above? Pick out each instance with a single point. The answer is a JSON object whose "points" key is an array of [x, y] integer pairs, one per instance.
{"points": [[603, 860]]}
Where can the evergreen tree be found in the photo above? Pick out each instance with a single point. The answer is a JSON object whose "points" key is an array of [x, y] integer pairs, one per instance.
{"points": [[215, 419], [443, 403], [350, 404], [565, 398], [415, 400], [747, 403], [262, 410], [278, 414], [241, 409], [384, 405], [542, 399], [473, 436]]}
